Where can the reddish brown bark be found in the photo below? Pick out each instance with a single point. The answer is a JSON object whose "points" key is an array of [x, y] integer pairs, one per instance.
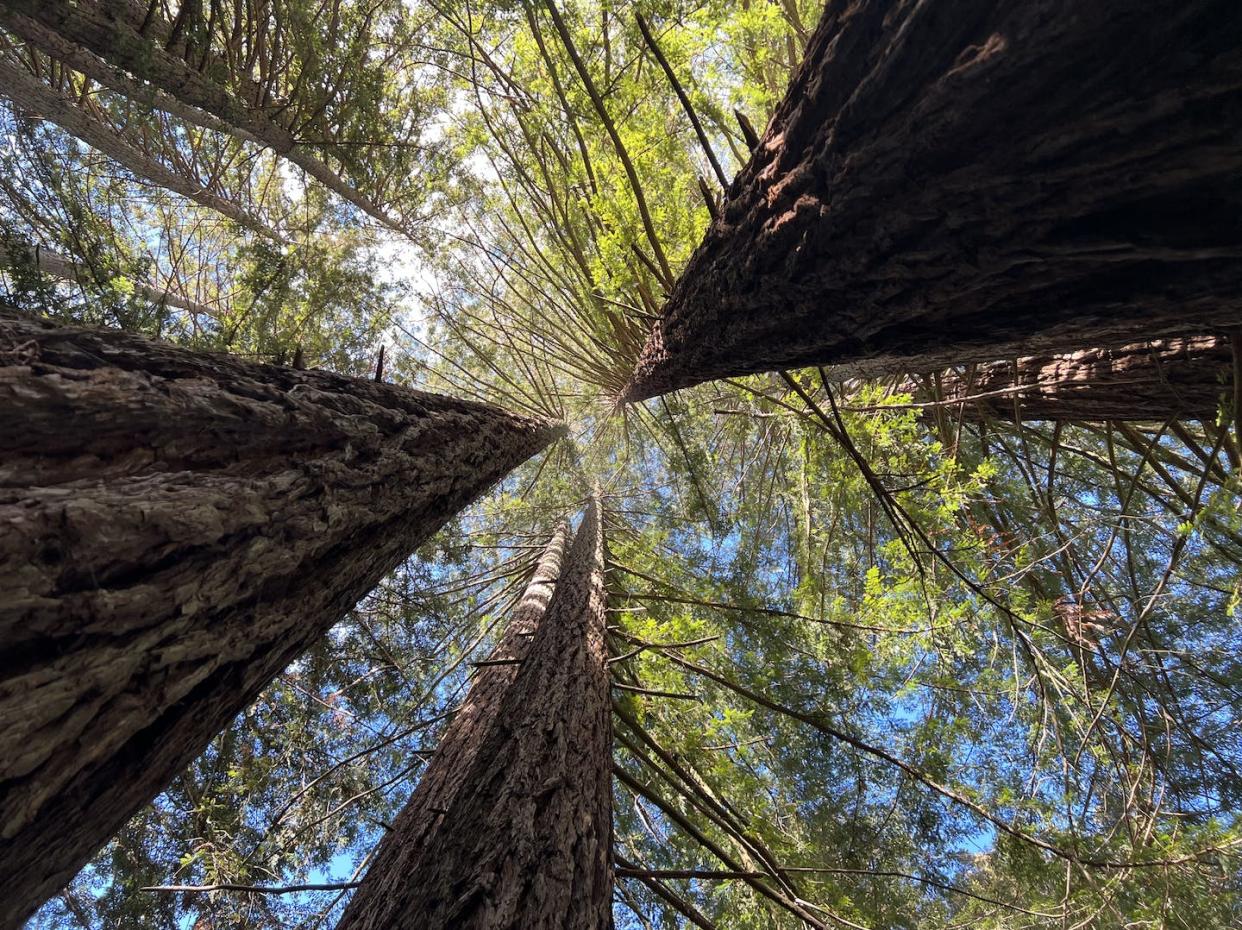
{"points": [[956, 181], [178, 528], [397, 858], [525, 839], [1160, 380]]}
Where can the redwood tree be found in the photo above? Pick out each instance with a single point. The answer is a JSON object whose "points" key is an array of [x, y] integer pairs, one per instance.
{"points": [[178, 528], [15, 254], [957, 181], [1158, 380], [523, 839], [108, 38], [399, 853], [33, 96]]}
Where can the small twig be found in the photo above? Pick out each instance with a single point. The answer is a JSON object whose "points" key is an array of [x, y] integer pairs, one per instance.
{"points": [[648, 691], [688, 873], [643, 646], [258, 889]]}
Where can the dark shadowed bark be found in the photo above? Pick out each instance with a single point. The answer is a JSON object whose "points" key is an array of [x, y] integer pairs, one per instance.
{"points": [[525, 841], [398, 857], [178, 527], [1159, 380], [956, 181]]}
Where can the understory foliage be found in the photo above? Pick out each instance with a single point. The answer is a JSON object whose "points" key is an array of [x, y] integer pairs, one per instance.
{"points": [[885, 663]]}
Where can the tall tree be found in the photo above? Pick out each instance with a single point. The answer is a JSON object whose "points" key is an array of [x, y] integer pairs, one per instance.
{"points": [[948, 183], [45, 102], [400, 852], [524, 838], [182, 526], [1159, 380], [53, 264], [126, 38]]}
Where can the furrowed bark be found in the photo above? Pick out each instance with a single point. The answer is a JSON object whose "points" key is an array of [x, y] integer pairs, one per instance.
{"points": [[178, 528], [955, 181], [398, 857], [525, 841], [1159, 380], [36, 98], [104, 28]]}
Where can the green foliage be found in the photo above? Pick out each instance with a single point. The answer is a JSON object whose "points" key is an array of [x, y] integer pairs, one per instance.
{"points": [[911, 669]]}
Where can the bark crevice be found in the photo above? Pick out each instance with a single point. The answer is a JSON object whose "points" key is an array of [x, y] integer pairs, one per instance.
{"points": [[949, 182], [181, 526]]}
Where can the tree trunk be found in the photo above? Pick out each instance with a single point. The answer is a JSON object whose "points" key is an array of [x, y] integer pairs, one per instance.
{"points": [[103, 29], [53, 264], [92, 66], [38, 99], [178, 528], [957, 181], [1159, 380], [401, 849], [525, 840]]}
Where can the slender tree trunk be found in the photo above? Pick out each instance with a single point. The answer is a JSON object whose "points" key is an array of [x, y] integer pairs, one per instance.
{"points": [[956, 181], [1158, 380], [525, 839], [178, 528], [35, 97], [104, 29], [92, 66], [56, 265]]}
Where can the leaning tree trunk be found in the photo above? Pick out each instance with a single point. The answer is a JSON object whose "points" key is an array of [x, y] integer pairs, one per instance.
{"points": [[17, 255], [1164, 379], [178, 528], [105, 28], [33, 96], [525, 838], [399, 854], [957, 181], [92, 66]]}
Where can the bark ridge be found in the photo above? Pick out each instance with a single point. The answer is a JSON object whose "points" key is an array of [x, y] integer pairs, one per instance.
{"points": [[1158, 380], [179, 527], [955, 181]]}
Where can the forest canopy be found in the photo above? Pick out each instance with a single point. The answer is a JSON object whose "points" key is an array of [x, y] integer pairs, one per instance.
{"points": [[939, 647]]}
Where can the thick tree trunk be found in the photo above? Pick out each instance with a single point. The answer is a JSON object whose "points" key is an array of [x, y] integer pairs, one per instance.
{"points": [[525, 839], [92, 66], [38, 99], [1159, 380], [104, 28], [956, 181], [178, 528]]}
